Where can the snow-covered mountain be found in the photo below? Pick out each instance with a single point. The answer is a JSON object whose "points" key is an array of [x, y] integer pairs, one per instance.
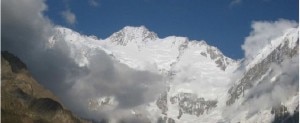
{"points": [[269, 82], [201, 82]]}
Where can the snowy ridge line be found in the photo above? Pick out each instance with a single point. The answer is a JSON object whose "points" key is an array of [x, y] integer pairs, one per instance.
{"points": [[290, 36]]}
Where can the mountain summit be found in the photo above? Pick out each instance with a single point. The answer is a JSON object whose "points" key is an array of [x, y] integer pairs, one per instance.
{"points": [[129, 33]]}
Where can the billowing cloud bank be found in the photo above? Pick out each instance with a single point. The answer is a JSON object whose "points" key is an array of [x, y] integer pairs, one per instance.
{"points": [[278, 86], [25, 33], [263, 33]]}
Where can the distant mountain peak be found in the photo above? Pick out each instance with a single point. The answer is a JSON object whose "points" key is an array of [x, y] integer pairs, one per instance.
{"points": [[131, 33], [136, 28]]}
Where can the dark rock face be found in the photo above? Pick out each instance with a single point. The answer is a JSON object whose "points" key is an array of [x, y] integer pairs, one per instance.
{"points": [[220, 64], [190, 104], [15, 63], [203, 54], [45, 106], [170, 120], [162, 120], [260, 69], [23, 100], [220, 60], [125, 35], [165, 120], [162, 102], [18, 93], [283, 116]]}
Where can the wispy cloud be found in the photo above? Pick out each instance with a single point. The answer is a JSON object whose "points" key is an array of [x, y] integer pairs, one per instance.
{"points": [[277, 86], [269, 93], [69, 16], [235, 2], [262, 34], [94, 3]]}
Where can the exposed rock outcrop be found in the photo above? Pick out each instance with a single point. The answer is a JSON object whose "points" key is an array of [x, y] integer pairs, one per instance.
{"points": [[23, 100]]}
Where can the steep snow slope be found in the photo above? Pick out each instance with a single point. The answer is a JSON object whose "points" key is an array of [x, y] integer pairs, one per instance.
{"points": [[198, 75], [269, 81]]}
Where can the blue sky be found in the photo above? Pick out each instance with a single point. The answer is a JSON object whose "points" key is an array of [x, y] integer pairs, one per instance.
{"points": [[221, 23]]}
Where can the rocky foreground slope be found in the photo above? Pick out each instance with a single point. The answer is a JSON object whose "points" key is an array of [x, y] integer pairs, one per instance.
{"points": [[24, 100]]}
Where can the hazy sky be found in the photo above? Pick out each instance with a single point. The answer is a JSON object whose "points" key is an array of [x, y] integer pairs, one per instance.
{"points": [[222, 23]]}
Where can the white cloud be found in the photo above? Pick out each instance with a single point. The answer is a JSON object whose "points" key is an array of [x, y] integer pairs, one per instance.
{"points": [[69, 16], [269, 93], [235, 2], [94, 3], [262, 34], [24, 28], [25, 33], [278, 85]]}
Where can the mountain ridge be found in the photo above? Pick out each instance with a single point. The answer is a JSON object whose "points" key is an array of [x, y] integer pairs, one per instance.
{"points": [[138, 42], [200, 79]]}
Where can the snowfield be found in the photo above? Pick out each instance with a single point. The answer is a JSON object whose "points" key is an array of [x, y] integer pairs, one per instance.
{"points": [[194, 69]]}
